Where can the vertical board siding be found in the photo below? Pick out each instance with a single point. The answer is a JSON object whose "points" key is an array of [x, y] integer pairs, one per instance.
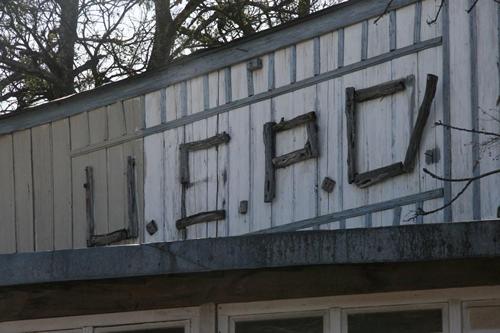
{"points": [[405, 26], [429, 62], [196, 193], [378, 150], [488, 55], [259, 211], [379, 36], [7, 196], [352, 43], [223, 157], [403, 115], [47, 198], [305, 60], [24, 191], [63, 229], [282, 67], [154, 166], [430, 10], [211, 89], [134, 110], [171, 185], [116, 169], [283, 210], [238, 171], [98, 132], [43, 187], [79, 138], [461, 148], [352, 195]]}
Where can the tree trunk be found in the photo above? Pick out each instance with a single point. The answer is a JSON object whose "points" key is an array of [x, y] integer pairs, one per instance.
{"points": [[66, 51], [304, 7], [164, 37]]}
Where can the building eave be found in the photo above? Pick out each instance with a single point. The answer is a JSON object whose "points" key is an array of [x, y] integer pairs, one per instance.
{"points": [[412, 243]]}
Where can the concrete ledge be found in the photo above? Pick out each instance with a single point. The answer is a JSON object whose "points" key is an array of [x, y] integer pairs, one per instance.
{"points": [[404, 244]]}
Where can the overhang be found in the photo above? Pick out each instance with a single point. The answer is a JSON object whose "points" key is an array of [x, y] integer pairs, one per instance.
{"points": [[249, 268]]}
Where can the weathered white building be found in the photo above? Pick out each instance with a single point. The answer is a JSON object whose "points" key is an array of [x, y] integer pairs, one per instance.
{"points": [[118, 205]]}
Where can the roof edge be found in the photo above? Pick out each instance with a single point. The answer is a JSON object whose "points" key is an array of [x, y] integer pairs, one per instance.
{"points": [[413, 243]]}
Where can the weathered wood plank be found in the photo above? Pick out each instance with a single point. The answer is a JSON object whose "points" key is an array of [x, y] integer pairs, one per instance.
{"points": [[417, 22], [79, 138], [364, 40], [134, 112], [352, 196], [352, 44], [154, 108], [372, 177], [116, 120], [379, 33], [305, 59], [238, 171], [351, 133], [211, 89], [63, 233], [210, 142], [404, 112], [392, 31], [43, 187], [154, 166], [282, 205], [305, 173], [359, 211], [136, 151], [269, 142], [154, 184], [212, 186], [327, 138], [488, 88], [429, 12], [423, 115], [89, 203], [132, 199], [284, 125], [429, 62], [239, 82], [116, 188], [202, 217], [23, 191], [98, 132], [222, 173], [98, 125], [116, 169], [7, 198], [173, 209], [111, 238], [380, 90]]}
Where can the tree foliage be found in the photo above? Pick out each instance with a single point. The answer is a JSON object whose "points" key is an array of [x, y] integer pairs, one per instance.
{"points": [[54, 48]]}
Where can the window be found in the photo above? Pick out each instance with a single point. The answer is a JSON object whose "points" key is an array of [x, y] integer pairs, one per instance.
{"points": [[412, 321], [288, 325], [483, 319]]}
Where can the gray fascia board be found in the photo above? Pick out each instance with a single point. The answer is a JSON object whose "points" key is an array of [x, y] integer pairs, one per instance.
{"points": [[413, 243], [328, 20]]}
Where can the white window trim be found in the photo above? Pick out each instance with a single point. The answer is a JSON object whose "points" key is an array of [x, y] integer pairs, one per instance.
{"points": [[449, 300], [186, 324], [86, 324], [428, 306], [475, 304]]}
